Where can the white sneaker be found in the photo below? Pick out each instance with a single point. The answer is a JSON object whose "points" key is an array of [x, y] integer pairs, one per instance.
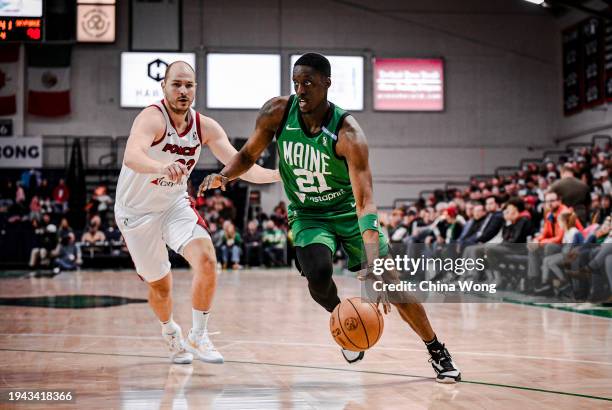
{"points": [[178, 354], [202, 348], [352, 357]]}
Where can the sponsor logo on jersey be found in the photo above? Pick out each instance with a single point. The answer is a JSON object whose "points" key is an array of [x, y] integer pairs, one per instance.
{"points": [[162, 181], [326, 197], [288, 128], [178, 150], [301, 196]]}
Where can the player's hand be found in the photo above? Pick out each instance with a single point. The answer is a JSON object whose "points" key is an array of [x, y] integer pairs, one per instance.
{"points": [[213, 181], [174, 171], [383, 299], [367, 275]]}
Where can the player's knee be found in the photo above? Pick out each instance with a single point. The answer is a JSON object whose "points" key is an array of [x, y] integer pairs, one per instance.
{"points": [[317, 271], [160, 289], [205, 263]]}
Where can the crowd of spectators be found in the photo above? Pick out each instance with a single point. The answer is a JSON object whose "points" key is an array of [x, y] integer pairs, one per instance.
{"points": [[263, 242], [545, 229], [39, 207]]}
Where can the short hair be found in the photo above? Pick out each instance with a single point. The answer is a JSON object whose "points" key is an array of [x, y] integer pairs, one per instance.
{"points": [[316, 61], [495, 198], [568, 168], [516, 202], [476, 202], [548, 192], [172, 65]]}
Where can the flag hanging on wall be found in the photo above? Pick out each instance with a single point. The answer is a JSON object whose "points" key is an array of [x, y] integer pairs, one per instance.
{"points": [[49, 80], [9, 69]]}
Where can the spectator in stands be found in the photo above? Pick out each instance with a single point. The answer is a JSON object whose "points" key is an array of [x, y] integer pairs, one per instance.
{"points": [[44, 190], [230, 246], [517, 222], [487, 223], [409, 220], [598, 270], [102, 202], [253, 244], [396, 230], [93, 235], [469, 220], [454, 226], [220, 207], [216, 236], [64, 228], [30, 179], [531, 207], [605, 210], [35, 208], [514, 237], [447, 233], [280, 212], [548, 241], [551, 172], [555, 263], [573, 192], [67, 254], [20, 195], [38, 253], [489, 232], [274, 242], [115, 239], [594, 208], [46, 239], [61, 194]]}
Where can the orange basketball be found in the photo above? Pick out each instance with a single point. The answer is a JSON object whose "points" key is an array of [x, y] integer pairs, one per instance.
{"points": [[356, 325]]}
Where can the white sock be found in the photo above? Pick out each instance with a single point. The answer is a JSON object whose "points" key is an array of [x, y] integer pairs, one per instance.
{"points": [[200, 320], [170, 327]]}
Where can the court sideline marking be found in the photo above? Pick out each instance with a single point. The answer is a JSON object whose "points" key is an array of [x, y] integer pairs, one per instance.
{"points": [[508, 386], [235, 342]]}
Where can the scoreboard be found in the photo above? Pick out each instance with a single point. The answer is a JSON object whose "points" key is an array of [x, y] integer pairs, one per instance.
{"points": [[20, 29], [21, 20]]}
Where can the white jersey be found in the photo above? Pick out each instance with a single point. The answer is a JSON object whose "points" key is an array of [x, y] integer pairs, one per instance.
{"points": [[139, 193]]}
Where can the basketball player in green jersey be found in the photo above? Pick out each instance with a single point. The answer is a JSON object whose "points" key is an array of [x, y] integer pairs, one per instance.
{"points": [[325, 172]]}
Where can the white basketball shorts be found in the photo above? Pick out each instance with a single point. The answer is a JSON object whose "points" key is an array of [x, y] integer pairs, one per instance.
{"points": [[146, 236]]}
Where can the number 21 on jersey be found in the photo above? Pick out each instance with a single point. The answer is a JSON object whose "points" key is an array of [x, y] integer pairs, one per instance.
{"points": [[306, 181]]}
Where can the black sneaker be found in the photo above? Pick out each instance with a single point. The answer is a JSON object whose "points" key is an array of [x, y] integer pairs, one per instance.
{"points": [[442, 363], [352, 357]]}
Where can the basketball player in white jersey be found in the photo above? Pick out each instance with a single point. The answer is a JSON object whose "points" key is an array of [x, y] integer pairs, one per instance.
{"points": [[153, 209]]}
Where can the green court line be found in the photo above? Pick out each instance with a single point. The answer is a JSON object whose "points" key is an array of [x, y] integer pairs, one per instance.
{"points": [[601, 312], [507, 386]]}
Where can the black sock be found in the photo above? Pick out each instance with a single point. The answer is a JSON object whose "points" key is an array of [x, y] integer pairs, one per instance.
{"points": [[433, 344]]}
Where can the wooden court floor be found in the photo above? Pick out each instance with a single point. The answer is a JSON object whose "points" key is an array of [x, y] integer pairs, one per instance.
{"points": [[279, 353]]}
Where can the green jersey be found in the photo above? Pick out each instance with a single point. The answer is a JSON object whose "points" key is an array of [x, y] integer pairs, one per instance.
{"points": [[316, 180]]}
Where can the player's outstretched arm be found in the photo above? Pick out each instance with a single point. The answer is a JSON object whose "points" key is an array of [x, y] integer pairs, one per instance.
{"points": [[218, 142], [268, 120], [149, 127]]}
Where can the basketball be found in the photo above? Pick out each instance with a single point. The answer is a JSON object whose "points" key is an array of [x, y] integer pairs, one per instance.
{"points": [[356, 325]]}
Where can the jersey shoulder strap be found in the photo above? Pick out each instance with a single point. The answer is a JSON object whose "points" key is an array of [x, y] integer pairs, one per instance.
{"points": [[281, 125]]}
